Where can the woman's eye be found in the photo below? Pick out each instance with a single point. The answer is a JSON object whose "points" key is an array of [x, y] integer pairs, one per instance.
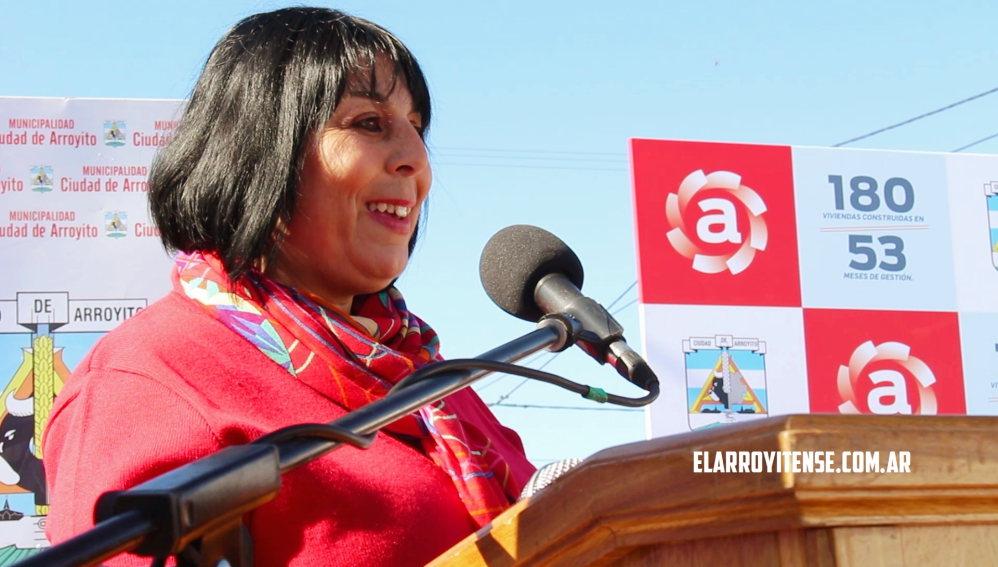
{"points": [[372, 124]]}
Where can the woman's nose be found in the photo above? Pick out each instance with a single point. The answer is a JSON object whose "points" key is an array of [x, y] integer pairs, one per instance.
{"points": [[409, 156]]}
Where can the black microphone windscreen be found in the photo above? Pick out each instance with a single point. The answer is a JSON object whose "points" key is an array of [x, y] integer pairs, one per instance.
{"points": [[516, 258]]}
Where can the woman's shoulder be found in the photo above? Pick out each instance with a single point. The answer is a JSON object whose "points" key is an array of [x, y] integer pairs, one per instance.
{"points": [[173, 337], [166, 327], [172, 346], [139, 357]]}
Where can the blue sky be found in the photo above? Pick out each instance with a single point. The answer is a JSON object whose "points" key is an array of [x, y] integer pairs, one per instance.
{"points": [[533, 105]]}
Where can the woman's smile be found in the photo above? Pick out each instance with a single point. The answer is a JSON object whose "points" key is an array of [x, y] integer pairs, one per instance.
{"points": [[394, 214]]}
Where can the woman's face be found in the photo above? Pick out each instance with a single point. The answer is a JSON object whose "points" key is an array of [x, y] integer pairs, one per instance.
{"points": [[363, 181]]}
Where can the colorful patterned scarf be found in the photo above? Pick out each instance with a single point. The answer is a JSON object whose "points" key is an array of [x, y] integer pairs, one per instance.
{"points": [[354, 361]]}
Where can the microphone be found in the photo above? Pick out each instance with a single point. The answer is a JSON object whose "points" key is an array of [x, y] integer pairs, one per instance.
{"points": [[530, 273]]}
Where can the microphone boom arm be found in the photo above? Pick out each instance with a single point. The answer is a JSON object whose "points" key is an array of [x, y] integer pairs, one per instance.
{"points": [[197, 508]]}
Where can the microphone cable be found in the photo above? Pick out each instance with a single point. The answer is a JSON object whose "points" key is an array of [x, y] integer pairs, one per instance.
{"points": [[334, 433], [590, 393]]}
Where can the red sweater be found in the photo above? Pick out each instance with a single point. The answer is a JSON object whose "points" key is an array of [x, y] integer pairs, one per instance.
{"points": [[172, 384]]}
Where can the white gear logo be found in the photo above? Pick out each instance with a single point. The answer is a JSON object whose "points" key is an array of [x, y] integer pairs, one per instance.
{"points": [[675, 208], [890, 384]]}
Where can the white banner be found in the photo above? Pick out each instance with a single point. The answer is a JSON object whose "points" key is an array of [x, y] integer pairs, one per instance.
{"points": [[79, 255]]}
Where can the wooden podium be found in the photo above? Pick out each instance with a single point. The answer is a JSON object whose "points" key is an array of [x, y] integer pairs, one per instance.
{"points": [[642, 504]]}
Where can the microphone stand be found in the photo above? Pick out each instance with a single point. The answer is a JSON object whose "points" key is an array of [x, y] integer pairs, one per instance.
{"points": [[195, 512]]}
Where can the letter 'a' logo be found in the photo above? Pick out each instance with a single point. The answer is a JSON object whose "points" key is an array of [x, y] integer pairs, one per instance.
{"points": [[878, 379], [718, 238]]}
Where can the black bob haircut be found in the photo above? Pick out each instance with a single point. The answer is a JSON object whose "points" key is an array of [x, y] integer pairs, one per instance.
{"points": [[229, 175]]}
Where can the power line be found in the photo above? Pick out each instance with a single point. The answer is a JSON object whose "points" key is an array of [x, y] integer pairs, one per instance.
{"points": [[919, 117], [585, 159], [525, 363], [626, 305], [972, 144], [531, 152], [525, 166], [524, 381], [512, 158], [621, 296], [576, 408], [506, 396]]}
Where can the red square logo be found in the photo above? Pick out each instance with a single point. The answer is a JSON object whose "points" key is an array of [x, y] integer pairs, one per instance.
{"points": [[715, 224], [884, 362]]}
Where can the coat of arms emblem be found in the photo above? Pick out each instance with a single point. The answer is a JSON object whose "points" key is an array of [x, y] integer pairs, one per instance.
{"points": [[991, 190], [115, 224], [114, 133], [725, 380], [41, 178]]}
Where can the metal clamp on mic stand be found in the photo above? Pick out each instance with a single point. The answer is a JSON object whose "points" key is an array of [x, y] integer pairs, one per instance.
{"points": [[602, 336], [197, 509]]}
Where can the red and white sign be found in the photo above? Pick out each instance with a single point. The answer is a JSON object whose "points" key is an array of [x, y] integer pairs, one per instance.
{"points": [[715, 226], [884, 362], [868, 275]]}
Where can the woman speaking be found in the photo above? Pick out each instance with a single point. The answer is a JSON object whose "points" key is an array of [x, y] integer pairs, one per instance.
{"points": [[292, 191]]}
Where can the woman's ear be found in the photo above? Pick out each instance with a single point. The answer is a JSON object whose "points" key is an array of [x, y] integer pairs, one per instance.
{"points": [[273, 245]]}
